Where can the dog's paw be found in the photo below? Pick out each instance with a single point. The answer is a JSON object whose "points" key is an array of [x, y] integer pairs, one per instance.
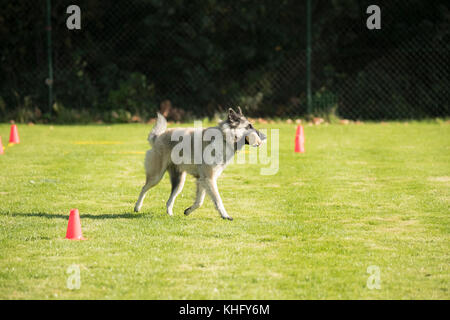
{"points": [[187, 211], [136, 209], [228, 218]]}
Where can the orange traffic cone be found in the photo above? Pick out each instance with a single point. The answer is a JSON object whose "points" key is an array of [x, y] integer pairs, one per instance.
{"points": [[74, 227], [300, 140], [2, 150], [14, 135]]}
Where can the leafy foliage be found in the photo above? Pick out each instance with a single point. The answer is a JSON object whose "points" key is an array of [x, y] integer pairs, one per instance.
{"points": [[207, 55]]}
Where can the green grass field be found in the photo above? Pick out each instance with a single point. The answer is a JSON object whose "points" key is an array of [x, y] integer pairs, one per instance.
{"points": [[361, 195]]}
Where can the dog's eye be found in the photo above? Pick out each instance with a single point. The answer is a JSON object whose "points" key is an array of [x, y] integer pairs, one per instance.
{"points": [[249, 126]]}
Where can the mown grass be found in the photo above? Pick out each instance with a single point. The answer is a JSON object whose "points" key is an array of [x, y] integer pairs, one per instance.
{"points": [[361, 195]]}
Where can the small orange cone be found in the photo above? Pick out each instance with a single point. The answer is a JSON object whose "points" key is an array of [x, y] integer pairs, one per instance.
{"points": [[14, 135], [300, 140], [74, 227], [2, 150]]}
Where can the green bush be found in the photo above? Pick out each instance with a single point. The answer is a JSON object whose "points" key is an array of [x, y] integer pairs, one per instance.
{"points": [[134, 95]]}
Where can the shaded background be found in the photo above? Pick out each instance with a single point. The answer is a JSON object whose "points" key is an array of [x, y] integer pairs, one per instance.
{"points": [[205, 56]]}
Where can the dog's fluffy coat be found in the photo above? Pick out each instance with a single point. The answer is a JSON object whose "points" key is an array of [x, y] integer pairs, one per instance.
{"points": [[158, 160]]}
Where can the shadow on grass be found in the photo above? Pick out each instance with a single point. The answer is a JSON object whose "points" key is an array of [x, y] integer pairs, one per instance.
{"points": [[125, 215]]}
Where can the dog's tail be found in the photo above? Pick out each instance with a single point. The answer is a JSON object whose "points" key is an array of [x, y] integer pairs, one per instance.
{"points": [[160, 127]]}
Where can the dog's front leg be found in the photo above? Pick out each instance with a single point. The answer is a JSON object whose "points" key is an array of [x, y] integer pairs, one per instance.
{"points": [[211, 188], [177, 180], [200, 197]]}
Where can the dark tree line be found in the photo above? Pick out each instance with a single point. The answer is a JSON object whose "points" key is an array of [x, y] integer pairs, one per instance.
{"points": [[206, 55]]}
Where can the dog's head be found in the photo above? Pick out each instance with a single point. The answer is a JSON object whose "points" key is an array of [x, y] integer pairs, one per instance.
{"points": [[240, 126]]}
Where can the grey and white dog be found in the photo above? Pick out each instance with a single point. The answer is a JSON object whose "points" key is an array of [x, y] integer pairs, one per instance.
{"points": [[224, 140]]}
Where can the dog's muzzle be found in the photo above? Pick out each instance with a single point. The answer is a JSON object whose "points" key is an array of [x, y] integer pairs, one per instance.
{"points": [[255, 138]]}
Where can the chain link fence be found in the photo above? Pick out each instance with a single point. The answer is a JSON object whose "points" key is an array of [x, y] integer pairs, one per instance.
{"points": [[133, 57]]}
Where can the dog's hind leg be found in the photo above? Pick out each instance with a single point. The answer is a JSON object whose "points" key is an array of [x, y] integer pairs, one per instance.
{"points": [[177, 179], [200, 197], [151, 181], [211, 188], [155, 172]]}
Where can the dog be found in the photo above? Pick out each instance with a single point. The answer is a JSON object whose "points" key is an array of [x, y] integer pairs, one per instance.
{"points": [[224, 140]]}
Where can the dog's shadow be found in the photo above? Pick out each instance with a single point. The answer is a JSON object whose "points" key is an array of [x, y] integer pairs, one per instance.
{"points": [[125, 215]]}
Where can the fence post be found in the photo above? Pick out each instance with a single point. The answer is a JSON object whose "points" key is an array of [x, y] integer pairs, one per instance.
{"points": [[49, 56], [308, 57]]}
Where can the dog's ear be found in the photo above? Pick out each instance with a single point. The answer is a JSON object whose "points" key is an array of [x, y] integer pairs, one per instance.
{"points": [[233, 117], [240, 111]]}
